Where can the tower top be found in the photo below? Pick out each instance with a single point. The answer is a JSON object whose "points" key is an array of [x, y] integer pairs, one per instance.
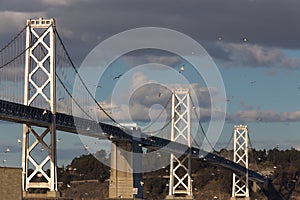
{"points": [[41, 23]]}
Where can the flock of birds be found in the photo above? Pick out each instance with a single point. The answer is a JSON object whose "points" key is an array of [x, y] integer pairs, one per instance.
{"points": [[8, 150], [181, 70], [19, 141], [243, 39]]}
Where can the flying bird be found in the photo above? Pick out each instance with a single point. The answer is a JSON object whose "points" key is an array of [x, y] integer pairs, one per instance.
{"points": [[19, 140], [244, 39], [7, 150], [117, 77], [181, 69], [252, 82], [61, 98], [97, 86]]}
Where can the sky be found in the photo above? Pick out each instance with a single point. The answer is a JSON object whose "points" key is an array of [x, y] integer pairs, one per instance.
{"points": [[254, 44]]}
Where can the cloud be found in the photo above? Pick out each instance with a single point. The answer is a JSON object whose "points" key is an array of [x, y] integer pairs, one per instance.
{"points": [[172, 61], [85, 23], [56, 2], [14, 21], [256, 56], [22, 6], [245, 106], [148, 100], [203, 95], [263, 116], [138, 79], [166, 60], [140, 103]]}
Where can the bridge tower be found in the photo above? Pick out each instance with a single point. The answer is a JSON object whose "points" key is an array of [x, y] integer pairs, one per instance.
{"points": [[39, 145], [240, 186], [180, 184]]}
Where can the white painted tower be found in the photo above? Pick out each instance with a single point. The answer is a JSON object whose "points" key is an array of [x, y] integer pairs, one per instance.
{"points": [[39, 91], [180, 184], [240, 185]]}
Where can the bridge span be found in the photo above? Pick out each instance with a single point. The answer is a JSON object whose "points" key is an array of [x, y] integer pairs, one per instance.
{"points": [[23, 114]]}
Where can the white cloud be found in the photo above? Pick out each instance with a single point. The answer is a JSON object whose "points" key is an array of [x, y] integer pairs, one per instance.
{"points": [[166, 60], [57, 2], [138, 79], [144, 95], [259, 56]]}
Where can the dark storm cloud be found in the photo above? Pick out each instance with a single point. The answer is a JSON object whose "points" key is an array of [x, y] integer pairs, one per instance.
{"points": [[22, 6], [83, 24], [272, 22]]}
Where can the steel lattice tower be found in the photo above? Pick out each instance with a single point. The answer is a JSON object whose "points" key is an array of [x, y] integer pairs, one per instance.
{"points": [[40, 91], [240, 185], [180, 166]]}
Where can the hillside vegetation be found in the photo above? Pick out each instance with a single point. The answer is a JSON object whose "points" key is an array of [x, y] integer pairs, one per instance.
{"points": [[209, 181]]}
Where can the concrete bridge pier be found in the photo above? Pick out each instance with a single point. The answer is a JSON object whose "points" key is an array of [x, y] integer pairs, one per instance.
{"points": [[187, 197], [124, 184], [240, 198]]}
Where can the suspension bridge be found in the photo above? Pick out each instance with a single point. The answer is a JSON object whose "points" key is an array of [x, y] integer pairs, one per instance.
{"points": [[37, 75]]}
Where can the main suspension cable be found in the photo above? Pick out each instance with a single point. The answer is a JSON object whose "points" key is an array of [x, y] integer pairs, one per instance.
{"points": [[13, 39], [202, 129], [84, 85], [147, 127], [24, 51]]}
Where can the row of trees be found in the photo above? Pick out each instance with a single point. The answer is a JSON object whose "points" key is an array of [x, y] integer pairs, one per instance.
{"points": [[283, 166]]}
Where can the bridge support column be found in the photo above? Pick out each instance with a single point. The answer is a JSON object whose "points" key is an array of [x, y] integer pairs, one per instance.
{"points": [[180, 184], [125, 184], [240, 185], [39, 145]]}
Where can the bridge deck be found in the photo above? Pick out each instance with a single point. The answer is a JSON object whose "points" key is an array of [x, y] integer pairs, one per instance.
{"points": [[38, 117]]}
